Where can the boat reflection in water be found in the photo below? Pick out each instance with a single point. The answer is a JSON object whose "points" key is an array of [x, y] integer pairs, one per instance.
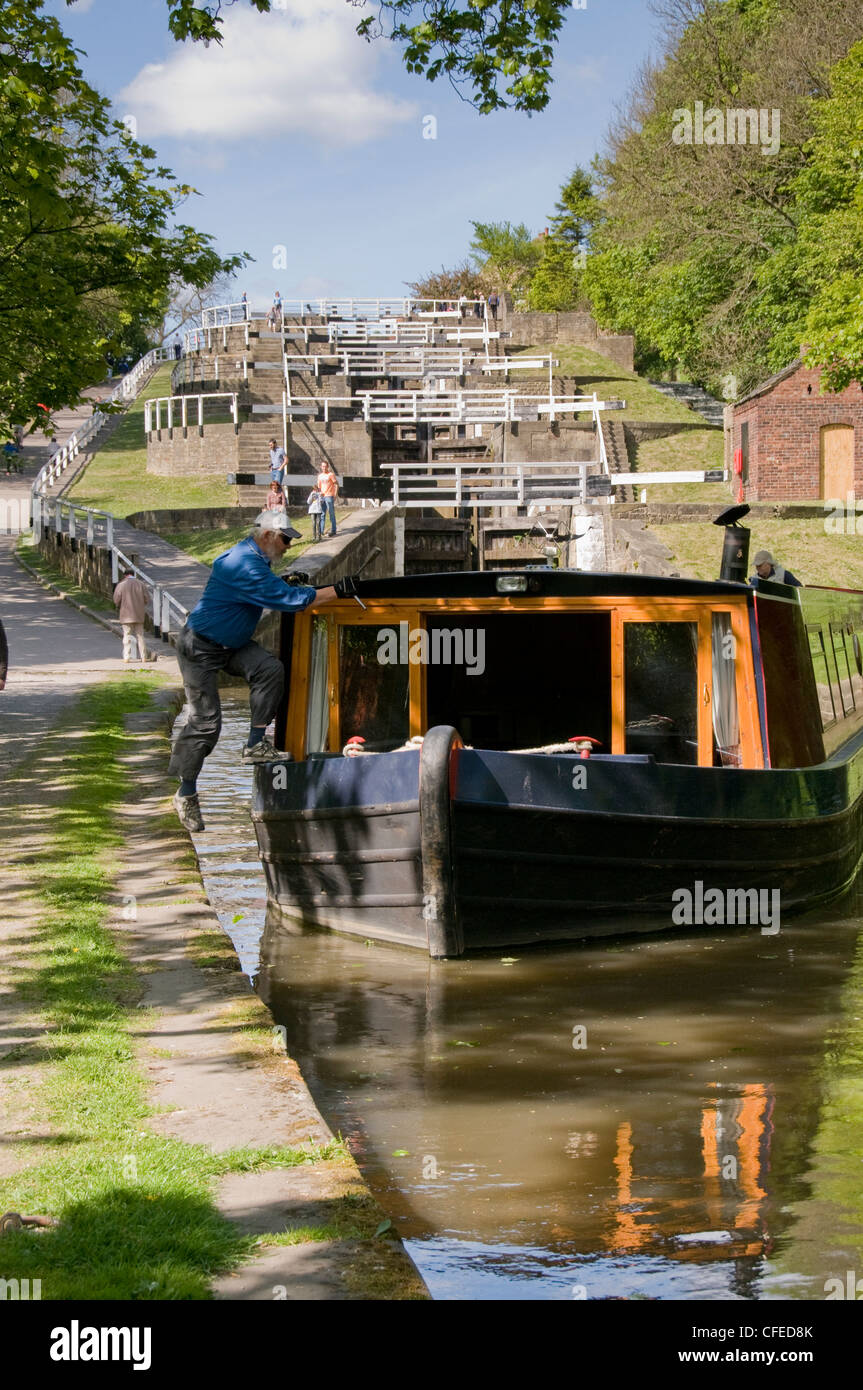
{"points": [[665, 1151]]}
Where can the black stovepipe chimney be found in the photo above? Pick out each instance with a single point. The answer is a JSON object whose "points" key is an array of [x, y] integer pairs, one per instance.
{"points": [[735, 544]]}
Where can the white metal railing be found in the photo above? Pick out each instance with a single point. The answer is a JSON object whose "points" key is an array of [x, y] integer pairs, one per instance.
{"points": [[95, 527], [492, 407], [179, 418], [126, 388], [223, 314], [358, 332], [399, 306], [488, 485], [445, 407], [204, 339]]}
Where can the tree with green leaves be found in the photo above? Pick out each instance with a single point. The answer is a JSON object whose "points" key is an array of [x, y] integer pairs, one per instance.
{"points": [[506, 254], [88, 241], [828, 261], [557, 282], [712, 224], [495, 53]]}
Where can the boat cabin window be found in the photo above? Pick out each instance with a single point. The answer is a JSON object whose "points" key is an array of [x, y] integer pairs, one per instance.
{"points": [[514, 680], [318, 712], [661, 690], [374, 694], [726, 713], [628, 677]]}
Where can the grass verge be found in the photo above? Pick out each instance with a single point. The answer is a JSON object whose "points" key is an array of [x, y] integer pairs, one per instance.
{"points": [[136, 1216], [815, 555]]}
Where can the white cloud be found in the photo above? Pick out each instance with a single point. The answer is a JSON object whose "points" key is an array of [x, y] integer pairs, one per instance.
{"points": [[300, 69]]}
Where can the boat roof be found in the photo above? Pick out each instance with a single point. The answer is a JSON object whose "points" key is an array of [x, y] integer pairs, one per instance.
{"points": [[550, 583]]}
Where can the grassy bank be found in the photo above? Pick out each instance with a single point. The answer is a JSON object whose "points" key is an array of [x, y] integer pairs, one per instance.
{"points": [[691, 449], [136, 1216], [815, 555], [610, 382], [207, 545], [117, 480]]}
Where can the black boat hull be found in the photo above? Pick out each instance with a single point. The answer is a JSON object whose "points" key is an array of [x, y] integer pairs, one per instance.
{"points": [[456, 849]]}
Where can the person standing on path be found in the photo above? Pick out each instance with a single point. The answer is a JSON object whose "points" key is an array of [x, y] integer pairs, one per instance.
{"points": [[328, 486], [218, 637], [278, 458], [4, 658], [493, 301], [130, 596]]}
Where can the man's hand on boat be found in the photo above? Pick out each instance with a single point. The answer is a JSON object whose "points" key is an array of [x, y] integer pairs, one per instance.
{"points": [[325, 595]]}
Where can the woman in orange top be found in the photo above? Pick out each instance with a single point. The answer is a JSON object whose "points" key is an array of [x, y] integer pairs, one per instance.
{"points": [[328, 487]]}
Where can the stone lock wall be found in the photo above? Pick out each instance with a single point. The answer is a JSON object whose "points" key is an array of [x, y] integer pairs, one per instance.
{"points": [[189, 454], [533, 327], [89, 567]]}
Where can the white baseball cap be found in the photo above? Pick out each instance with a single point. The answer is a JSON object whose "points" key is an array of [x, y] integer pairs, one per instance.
{"points": [[277, 521]]}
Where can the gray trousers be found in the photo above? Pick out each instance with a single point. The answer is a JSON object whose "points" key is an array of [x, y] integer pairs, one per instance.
{"points": [[200, 662]]}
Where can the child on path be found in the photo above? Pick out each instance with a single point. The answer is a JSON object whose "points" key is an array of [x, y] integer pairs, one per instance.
{"points": [[316, 512], [276, 498]]}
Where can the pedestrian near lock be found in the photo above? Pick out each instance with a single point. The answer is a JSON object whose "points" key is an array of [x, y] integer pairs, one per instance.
{"points": [[218, 637], [278, 458], [328, 487], [276, 498], [316, 512], [479, 304], [493, 301], [4, 658], [245, 303], [130, 597]]}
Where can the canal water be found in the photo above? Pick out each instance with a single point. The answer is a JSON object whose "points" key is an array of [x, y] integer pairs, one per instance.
{"points": [[658, 1118]]}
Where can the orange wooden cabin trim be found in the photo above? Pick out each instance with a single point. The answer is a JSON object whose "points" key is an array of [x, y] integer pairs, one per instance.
{"points": [[622, 610]]}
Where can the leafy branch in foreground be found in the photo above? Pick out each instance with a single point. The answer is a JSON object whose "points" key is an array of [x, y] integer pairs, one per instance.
{"points": [[500, 51], [89, 232]]}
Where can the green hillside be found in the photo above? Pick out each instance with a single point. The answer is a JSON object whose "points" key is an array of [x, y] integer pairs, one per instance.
{"points": [[117, 480]]}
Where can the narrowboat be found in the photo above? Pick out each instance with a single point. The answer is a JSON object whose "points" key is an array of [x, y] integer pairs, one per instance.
{"points": [[488, 760]]}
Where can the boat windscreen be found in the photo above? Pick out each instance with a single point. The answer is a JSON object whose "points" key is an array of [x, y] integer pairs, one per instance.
{"points": [[517, 680], [661, 690]]}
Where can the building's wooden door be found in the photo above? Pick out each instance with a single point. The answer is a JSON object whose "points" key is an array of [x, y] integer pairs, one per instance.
{"points": [[837, 461]]}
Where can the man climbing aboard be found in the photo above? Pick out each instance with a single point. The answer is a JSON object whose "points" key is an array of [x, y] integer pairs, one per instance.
{"points": [[218, 637]]}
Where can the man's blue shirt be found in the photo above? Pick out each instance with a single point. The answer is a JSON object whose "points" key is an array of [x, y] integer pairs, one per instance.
{"points": [[241, 586]]}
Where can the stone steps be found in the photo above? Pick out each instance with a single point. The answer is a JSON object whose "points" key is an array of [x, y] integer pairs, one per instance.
{"points": [[695, 397]]}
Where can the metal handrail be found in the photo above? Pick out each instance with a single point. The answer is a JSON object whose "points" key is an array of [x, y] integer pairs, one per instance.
{"points": [[49, 515], [399, 306], [157, 402], [454, 484]]}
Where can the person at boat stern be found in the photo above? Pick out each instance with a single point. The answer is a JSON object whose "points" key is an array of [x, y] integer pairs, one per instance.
{"points": [[218, 637], [767, 568]]}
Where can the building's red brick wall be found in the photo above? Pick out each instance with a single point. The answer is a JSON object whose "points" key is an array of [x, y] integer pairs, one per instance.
{"points": [[785, 436]]}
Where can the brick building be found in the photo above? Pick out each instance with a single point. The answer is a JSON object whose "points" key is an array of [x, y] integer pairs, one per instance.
{"points": [[796, 442]]}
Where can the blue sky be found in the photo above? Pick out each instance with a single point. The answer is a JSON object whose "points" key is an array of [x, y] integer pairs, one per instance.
{"points": [[297, 133]]}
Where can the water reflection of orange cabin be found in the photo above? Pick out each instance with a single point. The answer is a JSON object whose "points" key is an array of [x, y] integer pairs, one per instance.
{"points": [[751, 1114]]}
